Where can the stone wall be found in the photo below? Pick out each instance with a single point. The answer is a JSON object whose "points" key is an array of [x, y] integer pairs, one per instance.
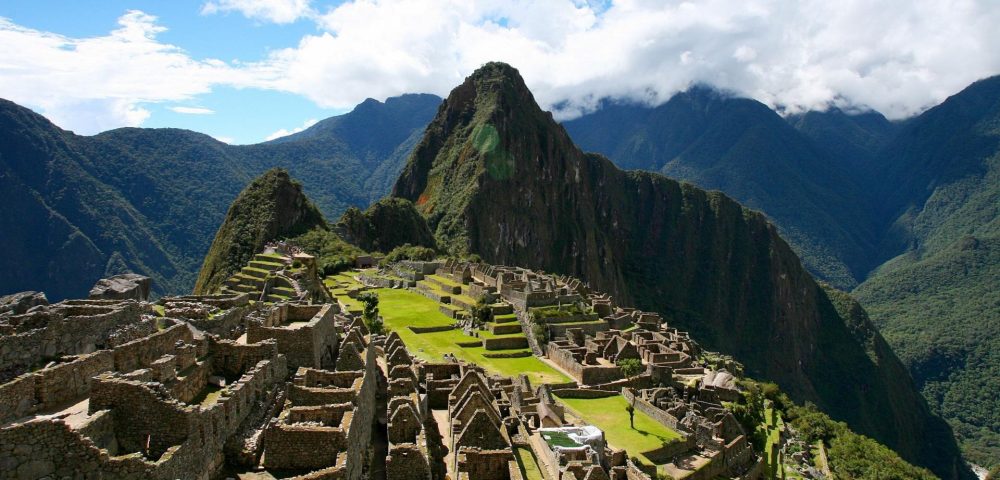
{"points": [[505, 343], [66, 329], [140, 353], [311, 345], [17, 398], [361, 432], [407, 461], [70, 381], [232, 359], [302, 446], [584, 374], [225, 324], [666, 453], [653, 411]]}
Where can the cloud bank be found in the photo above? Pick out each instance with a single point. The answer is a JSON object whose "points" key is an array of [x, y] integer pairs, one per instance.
{"points": [[896, 56], [284, 132]]}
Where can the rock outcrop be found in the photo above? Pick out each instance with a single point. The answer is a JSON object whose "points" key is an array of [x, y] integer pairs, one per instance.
{"points": [[21, 302], [126, 286]]}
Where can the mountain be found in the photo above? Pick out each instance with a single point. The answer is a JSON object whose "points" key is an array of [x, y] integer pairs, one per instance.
{"points": [[852, 139], [743, 148], [387, 224], [935, 298], [496, 176], [78, 208], [272, 207]]}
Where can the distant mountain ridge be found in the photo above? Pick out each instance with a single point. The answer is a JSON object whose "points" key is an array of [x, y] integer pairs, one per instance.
{"points": [[496, 176], [149, 200], [743, 148], [907, 219]]}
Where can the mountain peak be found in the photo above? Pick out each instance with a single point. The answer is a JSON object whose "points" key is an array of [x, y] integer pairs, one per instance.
{"points": [[271, 207]]}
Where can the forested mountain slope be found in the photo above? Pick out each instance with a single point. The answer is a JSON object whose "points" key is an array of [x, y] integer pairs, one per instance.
{"points": [[149, 200]]}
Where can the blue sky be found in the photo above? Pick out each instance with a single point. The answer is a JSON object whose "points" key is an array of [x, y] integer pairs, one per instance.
{"points": [[246, 115], [247, 70]]}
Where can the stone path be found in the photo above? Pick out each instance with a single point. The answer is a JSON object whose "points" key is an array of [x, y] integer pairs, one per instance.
{"points": [[441, 417]]}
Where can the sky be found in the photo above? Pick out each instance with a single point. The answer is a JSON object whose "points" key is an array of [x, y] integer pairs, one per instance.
{"points": [[245, 71]]}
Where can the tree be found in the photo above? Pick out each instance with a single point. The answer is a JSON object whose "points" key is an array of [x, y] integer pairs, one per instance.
{"points": [[370, 313], [630, 408], [630, 367], [481, 312]]}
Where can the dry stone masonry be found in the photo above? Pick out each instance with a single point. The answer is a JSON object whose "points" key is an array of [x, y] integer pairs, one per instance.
{"points": [[278, 376]]}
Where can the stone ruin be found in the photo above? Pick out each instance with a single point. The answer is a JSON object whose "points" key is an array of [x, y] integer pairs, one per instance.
{"points": [[185, 387], [194, 385]]}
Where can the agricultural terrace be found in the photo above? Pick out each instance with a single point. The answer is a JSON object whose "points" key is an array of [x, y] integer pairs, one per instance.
{"points": [[403, 308]]}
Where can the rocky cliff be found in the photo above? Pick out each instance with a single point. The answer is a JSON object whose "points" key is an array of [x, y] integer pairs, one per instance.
{"points": [[272, 207], [496, 176]]}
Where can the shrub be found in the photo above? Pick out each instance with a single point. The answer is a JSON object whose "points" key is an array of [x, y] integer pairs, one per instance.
{"points": [[541, 333], [370, 313], [630, 367], [410, 252], [481, 312]]}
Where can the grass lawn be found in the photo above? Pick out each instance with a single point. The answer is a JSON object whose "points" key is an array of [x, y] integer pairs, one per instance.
{"points": [[609, 414], [444, 281], [403, 308], [529, 467]]}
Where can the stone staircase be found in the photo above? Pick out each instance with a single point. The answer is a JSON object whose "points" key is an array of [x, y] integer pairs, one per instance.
{"points": [[259, 272]]}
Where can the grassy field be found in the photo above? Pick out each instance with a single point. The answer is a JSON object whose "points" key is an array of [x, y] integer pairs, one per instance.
{"points": [[609, 414], [529, 467], [403, 308]]}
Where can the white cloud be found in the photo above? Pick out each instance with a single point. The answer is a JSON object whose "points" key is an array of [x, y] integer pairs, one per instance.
{"points": [[96, 83], [284, 133], [897, 56], [224, 139], [192, 110], [276, 11]]}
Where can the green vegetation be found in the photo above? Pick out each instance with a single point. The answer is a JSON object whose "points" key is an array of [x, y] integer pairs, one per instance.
{"points": [[369, 301], [610, 415], [333, 254], [530, 469], [149, 200], [410, 252], [742, 147], [403, 308], [852, 455], [386, 225], [271, 207], [630, 367], [481, 313], [567, 310], [559, 439]]}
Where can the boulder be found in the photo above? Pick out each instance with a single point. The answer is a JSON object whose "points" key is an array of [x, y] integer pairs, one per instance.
{"points": [[126, 286], [21, 302]]}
